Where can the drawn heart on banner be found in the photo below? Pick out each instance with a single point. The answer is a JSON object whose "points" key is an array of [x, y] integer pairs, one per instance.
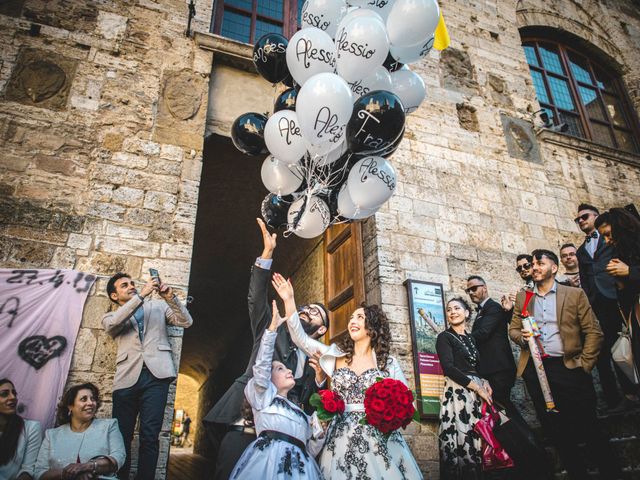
{"points": [[38, 350]]}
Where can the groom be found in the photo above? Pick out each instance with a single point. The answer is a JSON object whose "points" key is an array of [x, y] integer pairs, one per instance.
{"points": [[225, 421]]}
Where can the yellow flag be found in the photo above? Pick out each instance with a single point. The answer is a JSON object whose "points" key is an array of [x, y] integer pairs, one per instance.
{"points": [[441, 40]]}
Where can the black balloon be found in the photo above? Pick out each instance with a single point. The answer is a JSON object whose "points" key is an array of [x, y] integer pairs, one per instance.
{"points": [[269, 57], [247, 133], [376, 122], [392, 64], [274, 210], [286, 100]]}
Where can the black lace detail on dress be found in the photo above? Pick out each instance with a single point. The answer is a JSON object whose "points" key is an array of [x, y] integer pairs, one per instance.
{"points": [[283, 403], [262, 443], [291, 461]]}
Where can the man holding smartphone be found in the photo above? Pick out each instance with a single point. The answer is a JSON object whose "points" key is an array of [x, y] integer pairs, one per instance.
{"points": [[144, 362]]}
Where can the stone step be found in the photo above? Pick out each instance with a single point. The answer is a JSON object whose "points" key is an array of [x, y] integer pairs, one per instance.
{"points": [[627, 449]]}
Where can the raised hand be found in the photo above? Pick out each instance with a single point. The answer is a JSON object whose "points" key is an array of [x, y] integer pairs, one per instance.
{"points": [[314, 361], [149, 287], [282, 286], [268, 240], [166, 292], [506, 302], [276, 319]]}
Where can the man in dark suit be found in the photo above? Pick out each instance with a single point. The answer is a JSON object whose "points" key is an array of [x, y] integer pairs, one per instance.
{"points": [[593, 256], [495, 363], [225, 418], [571, 339]]}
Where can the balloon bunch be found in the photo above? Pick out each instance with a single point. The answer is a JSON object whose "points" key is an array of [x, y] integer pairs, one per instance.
{"points": [[343, 114]]}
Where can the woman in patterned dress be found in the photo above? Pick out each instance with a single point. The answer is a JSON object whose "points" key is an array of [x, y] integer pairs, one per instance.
{"points": [[464, 391], [288, 439], [353, 451]]}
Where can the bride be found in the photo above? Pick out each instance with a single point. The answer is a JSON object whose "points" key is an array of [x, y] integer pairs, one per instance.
{"points": [[351, 450]]}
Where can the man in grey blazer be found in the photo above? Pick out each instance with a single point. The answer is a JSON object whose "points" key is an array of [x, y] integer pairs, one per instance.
{"points": [[144, 363]]}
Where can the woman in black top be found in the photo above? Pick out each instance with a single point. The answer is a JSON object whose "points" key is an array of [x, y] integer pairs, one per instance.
{"points": [[464, 391], [621, 229]]}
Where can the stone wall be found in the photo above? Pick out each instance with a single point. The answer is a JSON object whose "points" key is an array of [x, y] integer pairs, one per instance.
{"points": [[102, 118], [466, 202]]}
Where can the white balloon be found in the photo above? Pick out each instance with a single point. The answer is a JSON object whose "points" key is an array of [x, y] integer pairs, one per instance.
{"points": [[324, 107], [347, 209], [314, 219], [412, 53], [381, 7], [323, 14], [325, 148], [362, 46], [378, 80], [371, 182], [280, 177], [412, 21], [410, 88], [310, 51], [354, 12], [283, 136]]}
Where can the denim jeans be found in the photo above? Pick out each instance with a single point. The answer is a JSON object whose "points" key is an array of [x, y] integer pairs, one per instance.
{"points": [[147, 398]]}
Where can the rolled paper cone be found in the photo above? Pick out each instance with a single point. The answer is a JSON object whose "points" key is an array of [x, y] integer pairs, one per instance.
{"points": [[430, 322], [537, 363]]}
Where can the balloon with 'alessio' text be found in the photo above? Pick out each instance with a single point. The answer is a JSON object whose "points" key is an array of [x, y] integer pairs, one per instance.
{"points": [[310, 51], [279, 177], [270, 57], [274, 210], [376, 122], [308, 216], [323, 14], [371, 182], [378, 80], [247, 133], [362, 46], [410, 88], [412, 21], [286, 100], [324, 107], [283, 136]]}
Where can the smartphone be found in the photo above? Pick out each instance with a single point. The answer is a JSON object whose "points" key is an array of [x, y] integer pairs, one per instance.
{"points": [[155, 274]]}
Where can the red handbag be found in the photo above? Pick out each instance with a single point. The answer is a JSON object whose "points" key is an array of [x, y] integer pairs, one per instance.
{"points": [[494, 457]]}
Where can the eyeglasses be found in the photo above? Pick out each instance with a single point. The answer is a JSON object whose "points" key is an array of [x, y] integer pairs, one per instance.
{"points": [[524, 266], [473, 288], [311, 310], [582, 217]]}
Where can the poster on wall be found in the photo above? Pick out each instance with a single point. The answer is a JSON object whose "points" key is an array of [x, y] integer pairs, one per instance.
{"points": [[426, 307], [40, 315]]}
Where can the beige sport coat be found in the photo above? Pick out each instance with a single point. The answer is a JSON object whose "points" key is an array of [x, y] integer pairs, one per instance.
{"points": [[579, 329], [155, 350]]}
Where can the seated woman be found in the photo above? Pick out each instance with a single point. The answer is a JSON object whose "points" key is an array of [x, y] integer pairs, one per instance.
{"points": [[83, 446], [464, 391], [353, 450], [288, 439], [20, 439]]}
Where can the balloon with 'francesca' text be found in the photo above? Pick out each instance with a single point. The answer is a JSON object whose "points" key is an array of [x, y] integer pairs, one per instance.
{"points": [[269, 57]]}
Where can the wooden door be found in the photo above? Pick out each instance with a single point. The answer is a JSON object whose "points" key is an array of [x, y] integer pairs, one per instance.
{"points": [[343, 275]]}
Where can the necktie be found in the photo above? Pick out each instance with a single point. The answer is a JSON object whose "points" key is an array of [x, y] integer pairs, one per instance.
{"points": [[139, 316]]}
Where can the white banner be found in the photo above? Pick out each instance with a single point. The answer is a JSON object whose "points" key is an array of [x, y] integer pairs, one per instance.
{"points": [[40, 315]]}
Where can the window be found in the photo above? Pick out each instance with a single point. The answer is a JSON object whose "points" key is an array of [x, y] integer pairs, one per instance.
{"points": [[575, 90], [247, 20]]}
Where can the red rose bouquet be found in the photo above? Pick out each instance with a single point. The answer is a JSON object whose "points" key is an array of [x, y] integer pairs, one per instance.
{"points": [[388, 405], [327, 403]]}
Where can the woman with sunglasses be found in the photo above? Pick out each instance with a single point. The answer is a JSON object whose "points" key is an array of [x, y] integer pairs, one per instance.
{"points": [[621, 229], [464, 392], [353, 450], [20, 439]]}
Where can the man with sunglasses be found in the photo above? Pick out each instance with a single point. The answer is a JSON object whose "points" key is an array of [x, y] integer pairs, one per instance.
{"points": [[523, 267], [225, 425], [593, 256], [495, 362], [571, 339]]}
